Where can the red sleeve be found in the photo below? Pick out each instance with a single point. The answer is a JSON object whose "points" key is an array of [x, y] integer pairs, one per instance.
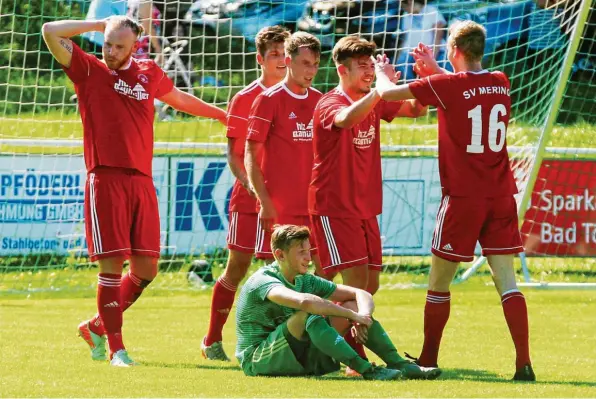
{"points": [[80, 65], [260, 118], [432, 90], [165, 84], [238, 117], [328, 108], [388, 109]]}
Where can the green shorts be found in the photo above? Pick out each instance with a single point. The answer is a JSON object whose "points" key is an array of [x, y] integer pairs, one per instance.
{"points": [[275, 356]]}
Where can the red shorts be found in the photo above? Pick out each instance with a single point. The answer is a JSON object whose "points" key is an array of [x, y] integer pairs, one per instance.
{"points": [[121, 214], [263, 244], [463, 221], [242, 232], [345, 243]]}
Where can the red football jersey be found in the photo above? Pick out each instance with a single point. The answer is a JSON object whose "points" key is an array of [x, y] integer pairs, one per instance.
{"points": [[117, 110], [474, 110], [238, 112], [346, 176], [283, 120]]}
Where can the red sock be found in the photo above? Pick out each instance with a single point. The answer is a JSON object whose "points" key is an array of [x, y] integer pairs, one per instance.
{"points": [[131, 288], [109, 307], [436, 314], [221, 304], [516, 314], [359, 348], [96, 325]]}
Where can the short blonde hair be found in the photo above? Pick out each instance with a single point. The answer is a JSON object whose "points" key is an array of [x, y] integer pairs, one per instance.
{"points": [[302, 39], [351, 47], [122, 21], [470, 38], [285, 235]]}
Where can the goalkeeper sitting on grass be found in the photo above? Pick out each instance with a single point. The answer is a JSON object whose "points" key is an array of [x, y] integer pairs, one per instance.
{"points": [[287, 321]]}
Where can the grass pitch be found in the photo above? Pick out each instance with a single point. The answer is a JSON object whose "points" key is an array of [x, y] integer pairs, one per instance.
{"points": [[400, 132], [41, 355]]}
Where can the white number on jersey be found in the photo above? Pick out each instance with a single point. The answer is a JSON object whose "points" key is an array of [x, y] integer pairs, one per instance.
{"points": [[496, 129]]}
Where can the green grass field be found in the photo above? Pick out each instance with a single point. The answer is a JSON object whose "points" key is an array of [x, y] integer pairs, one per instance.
{"points": [[42, 357], [59, 126]]}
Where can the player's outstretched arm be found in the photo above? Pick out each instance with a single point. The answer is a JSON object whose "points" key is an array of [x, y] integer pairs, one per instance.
{"points": [[388, 90], [313, 304], [357, 112], [185, 102], [426, 64], [57, 36]]}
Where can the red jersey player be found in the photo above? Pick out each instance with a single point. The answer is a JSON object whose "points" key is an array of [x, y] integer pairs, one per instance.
{"points": [[121, 213], [345, 193], [279, 150], [242, 228], [474, 108]]}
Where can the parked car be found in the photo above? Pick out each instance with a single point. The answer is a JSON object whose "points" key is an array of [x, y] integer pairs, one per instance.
{"points": [[244, 17]]}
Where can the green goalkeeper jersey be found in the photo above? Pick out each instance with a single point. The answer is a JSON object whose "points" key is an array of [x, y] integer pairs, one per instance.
{"points": [[257, 316]]}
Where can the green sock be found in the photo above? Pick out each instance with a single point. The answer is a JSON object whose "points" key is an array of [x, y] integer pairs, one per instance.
{"points": [[380, 343], [328, 341]]}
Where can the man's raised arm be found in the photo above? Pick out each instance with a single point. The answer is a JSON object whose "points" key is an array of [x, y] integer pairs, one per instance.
{"points": [[356, 112], [57, 36], [388, 90], [359, 110]]}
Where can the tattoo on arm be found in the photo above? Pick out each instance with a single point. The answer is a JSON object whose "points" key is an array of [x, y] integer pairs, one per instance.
{"points": [[66, 45]]}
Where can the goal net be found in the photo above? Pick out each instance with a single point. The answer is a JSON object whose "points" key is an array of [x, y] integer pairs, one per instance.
{"points": [[546, 48]]}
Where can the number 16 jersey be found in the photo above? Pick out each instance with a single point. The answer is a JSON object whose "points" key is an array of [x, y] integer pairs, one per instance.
{"points": [[474, 110]]}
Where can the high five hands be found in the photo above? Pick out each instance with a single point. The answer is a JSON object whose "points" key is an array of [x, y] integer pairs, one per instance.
{"points": [[384, 69], [425, 62]]}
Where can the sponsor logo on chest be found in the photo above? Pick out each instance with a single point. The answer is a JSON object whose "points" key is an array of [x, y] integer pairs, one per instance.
{"points": [[137, 92], [303, 131], [365, 138]]}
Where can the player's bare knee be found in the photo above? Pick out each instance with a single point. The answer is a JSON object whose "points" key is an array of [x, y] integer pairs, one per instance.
{"points": [[441, 274], [372, 288], [352, 305], [297, 324], [236, 267], [144, 267], [341, 325], [501, 267], [373, 282], [112, 265], [233, 276]]}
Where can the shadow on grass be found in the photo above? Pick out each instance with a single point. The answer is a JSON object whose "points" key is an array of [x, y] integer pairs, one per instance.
{"points": [[448, 374], [223, 366], [487, 376]]}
